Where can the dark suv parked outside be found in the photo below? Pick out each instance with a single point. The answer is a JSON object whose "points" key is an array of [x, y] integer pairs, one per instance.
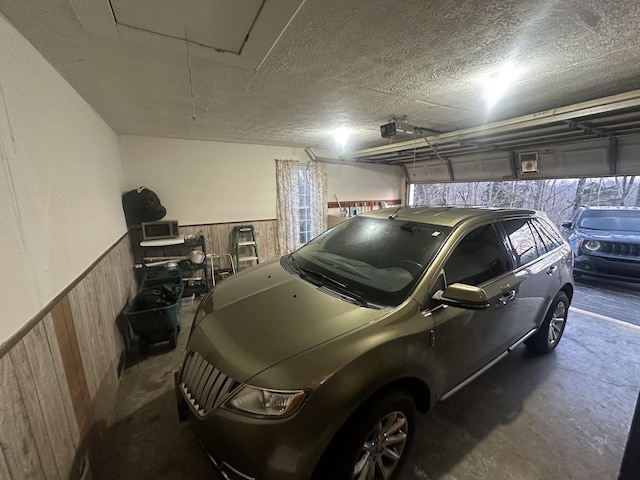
{"points": [[606, 242], [313, 365]]}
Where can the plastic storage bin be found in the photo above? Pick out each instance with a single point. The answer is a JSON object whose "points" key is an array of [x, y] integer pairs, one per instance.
{"points": [[161, 323]]}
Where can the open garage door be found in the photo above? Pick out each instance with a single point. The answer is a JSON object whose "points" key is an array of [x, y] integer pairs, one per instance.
{"points": [[557, 197], [595, 138]]}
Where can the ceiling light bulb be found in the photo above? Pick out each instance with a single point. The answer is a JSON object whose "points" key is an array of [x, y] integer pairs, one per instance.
{"points": [[341, 136], [496, 85]]}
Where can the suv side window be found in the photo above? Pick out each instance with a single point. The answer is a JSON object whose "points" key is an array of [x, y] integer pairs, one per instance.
{"points": [[547, 232], [526, 246], [478, 258]]}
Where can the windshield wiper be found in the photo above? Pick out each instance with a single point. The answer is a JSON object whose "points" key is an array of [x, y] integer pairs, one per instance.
{"points": [[344, 266], [304, 272], [321, 280]]}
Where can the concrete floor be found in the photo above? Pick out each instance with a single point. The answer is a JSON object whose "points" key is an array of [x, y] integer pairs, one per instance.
{"points": [[561, 416]]}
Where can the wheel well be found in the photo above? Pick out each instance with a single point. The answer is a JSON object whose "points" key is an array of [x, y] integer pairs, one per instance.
{"points": [[568, 291], [414, 386]]}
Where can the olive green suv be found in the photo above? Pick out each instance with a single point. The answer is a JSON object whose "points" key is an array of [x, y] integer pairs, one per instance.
{"points": [[313, 366]]}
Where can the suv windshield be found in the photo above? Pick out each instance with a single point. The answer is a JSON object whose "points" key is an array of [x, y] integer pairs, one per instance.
{"points": [[376, 259], [610, 220]]}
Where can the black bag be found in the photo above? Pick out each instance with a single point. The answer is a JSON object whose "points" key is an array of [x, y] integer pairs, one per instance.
{"points": [[160, 296], [142, 205]]}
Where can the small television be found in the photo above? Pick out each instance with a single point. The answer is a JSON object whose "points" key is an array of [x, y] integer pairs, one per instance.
{"points": [[160, 229]]}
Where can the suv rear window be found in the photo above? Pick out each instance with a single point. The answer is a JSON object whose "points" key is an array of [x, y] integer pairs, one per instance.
{"points": [[549, 235], [526, 244]]}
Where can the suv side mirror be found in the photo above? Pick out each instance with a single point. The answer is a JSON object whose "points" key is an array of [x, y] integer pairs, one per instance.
{"points": [[567, 224], [463, 296]]}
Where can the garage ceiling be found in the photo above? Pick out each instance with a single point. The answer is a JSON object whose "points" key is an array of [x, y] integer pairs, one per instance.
{"points": [[288, 72]]}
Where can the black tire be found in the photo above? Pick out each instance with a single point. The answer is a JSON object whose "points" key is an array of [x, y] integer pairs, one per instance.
{"points": [[550, 332], [379, 433], [173, 338], [143, 346]]}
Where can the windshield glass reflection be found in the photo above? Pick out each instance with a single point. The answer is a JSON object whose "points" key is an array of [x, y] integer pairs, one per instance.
{"points": [[379, 260]]}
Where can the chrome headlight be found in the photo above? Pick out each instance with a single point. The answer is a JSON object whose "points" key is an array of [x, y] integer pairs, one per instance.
{"points": [[260, 402], [592, 245]]}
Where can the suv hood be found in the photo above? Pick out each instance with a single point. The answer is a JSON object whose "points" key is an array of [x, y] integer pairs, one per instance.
{"points": [[265, 315]]}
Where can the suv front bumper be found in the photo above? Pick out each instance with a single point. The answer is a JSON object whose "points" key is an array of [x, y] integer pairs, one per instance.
{"points": [[247, 448], [625, 269]]}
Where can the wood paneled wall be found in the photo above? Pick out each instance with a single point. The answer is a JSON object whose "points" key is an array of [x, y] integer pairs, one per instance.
{"points": [[219, 238], [59, 380]]}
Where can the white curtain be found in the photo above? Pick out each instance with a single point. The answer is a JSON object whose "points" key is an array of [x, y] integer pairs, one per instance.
{"points": [[318, 186], [288, 205], [288, 202]]}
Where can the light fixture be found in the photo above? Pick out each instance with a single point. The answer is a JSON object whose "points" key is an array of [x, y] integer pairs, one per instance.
{"points": [[341, 136], [498, 83]]}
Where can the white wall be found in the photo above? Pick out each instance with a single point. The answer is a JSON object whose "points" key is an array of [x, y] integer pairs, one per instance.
{"points": [[60, 183], [365, 182], [201, 182]]}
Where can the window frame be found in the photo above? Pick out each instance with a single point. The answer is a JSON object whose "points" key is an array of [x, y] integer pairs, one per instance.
{"points": [[304, 205]]}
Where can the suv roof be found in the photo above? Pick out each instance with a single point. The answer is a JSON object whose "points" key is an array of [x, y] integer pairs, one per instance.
{"points": [[448, 216], [587, 207]]}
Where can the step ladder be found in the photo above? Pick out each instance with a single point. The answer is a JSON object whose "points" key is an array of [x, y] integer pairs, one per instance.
{"points": [[246, 246]]}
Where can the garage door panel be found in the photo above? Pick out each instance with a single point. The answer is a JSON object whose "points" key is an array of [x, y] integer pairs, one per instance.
{"points": [[629, 155], [429, 172], [488, 167], [584, 159]]}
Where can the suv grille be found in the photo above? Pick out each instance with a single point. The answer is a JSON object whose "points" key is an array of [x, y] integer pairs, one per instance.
{"points": [[621, 249], [203, 385]]}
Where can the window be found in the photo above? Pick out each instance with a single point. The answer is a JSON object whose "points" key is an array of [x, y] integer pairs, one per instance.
{"points": [[549, 236], [305, 205], [378, 260], [611, 220], [301, 203], [478, 258], [523, 240]]}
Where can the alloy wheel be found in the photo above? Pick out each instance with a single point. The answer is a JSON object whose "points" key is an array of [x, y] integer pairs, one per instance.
{"points": [[557, 322], [382, 449]]}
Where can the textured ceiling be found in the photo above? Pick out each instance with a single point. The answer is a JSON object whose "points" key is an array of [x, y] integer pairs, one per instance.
{"points": [[353, 63]]}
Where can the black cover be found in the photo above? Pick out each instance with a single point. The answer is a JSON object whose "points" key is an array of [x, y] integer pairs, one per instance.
{"points": [[142, 205], [162, 296]]}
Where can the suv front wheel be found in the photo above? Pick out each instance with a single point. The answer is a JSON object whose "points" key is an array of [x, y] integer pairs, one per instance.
{"points": [[374, 444]]}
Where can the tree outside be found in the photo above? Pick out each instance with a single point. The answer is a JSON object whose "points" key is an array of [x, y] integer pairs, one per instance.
{"points": [[558, 198]]}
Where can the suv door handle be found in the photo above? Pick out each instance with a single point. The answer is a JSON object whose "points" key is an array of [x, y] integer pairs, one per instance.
{"points": [[507, 297], [551, 269]]}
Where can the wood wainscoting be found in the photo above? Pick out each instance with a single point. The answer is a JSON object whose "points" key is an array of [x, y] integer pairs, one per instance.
{"points": [[59, 375], [218, 238]]}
